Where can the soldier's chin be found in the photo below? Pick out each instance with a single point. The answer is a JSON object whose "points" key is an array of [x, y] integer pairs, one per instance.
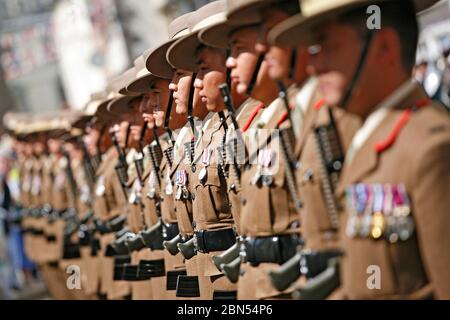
{"points": [[241, 88]]}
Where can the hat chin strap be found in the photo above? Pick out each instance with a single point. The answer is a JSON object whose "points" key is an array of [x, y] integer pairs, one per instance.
{"points": [[359, 67], [252, 83], [190, 116], [167, 117], [293, 64], [127, 136]]}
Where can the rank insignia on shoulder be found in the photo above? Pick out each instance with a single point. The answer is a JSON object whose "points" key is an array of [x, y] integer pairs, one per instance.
{"points": [[379, 211]]}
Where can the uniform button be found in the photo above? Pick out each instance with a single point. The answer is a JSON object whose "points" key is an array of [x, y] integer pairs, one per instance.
{"points": [[244, 201], [194, 224], [193, 196]]}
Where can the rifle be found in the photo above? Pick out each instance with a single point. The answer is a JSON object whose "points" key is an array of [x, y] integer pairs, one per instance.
{"points": [[122, 167], [286, 150], [139, 161], [87, 164], [155, 158], [331, 155], [235, 170], [70, 175]]}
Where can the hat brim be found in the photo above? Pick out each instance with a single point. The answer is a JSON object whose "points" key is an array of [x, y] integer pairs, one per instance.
{"points": [[216, 36], [181, 54], [121, 105], [249, 11], [297, 30], [102, 113], [157, 63], [142, 84], [82, 122]]}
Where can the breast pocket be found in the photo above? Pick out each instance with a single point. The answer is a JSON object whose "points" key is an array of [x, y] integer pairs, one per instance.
{"points": [[210, 199]]}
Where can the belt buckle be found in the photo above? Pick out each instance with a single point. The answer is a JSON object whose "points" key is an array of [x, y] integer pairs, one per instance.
{"points": [[243, 249]]}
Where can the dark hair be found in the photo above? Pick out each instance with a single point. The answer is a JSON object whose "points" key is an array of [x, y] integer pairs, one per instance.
{"points": [[399, 15]]}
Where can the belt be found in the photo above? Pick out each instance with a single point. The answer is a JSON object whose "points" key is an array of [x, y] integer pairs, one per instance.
{"points": [[224, 295], [312, 263], [169, 231], [37, 232], [172, 278], [51, 238], [152, 268], [276, 249], [71, 251], [187, 287], [214, 240]]}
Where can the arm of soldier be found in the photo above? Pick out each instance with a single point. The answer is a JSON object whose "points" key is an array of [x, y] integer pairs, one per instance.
{"points": [[431, 198]]}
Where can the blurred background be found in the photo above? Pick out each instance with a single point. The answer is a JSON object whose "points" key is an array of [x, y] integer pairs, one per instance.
{"points": [[55, 53]]}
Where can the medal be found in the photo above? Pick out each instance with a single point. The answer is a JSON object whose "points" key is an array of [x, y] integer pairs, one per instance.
{"points": [[181, 181], [378, 222], [353, 224], [179, 193], [206, 158], [364, 209], [405, 222]]}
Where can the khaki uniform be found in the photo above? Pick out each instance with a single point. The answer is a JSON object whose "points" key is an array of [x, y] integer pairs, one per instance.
{"points": [[249, 110], [109, 202], [266, 208], [152, 214], [183, 204], [210, 204], [408, 237]]}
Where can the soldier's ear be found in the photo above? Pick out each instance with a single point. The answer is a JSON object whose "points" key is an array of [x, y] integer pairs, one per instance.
{"points": [[387, 49]]}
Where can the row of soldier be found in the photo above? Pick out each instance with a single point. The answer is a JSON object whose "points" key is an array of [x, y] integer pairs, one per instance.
{"points": [[266, 150]]}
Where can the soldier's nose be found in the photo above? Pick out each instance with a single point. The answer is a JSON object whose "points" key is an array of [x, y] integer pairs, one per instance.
{"points": [[198, 84], [173, 87], [230, 63]]}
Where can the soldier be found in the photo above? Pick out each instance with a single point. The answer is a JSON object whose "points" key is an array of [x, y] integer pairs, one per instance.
{"points": [[211, 206], [271, 196], [388, 188], [109, 201], [189, 106]]}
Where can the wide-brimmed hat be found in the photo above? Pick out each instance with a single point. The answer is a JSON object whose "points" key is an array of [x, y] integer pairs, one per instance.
{"points": [[144, 78], [240, 13], [156, 61], [298, 29], [181, 54]]}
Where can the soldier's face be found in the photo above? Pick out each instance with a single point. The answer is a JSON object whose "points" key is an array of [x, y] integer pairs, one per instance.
{"points": [[38, 148], [335, 52], [180, 86], [243, 62], [91, 140], [54, 145], [211, 74], [158, 99], [138, 122], [122, 129], [277, 58]]}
